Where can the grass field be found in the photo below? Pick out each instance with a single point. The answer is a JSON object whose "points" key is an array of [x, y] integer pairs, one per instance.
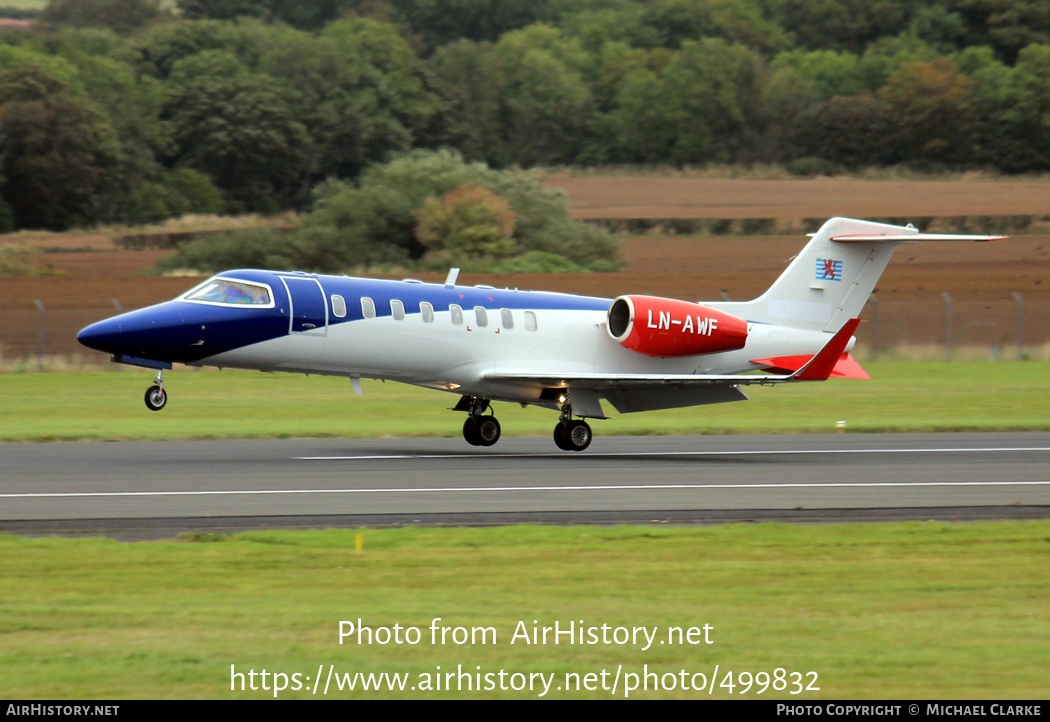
{"points": [[918, 610], [903, 396], [24, 4]]}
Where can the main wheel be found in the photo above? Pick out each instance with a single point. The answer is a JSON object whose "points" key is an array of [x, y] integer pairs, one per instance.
{"points": [[488, 430], [577, 435], [559, 436], [156, 398], [470, 431]]}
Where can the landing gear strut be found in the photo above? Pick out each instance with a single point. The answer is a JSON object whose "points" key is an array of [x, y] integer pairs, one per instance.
{"points": [[156, 397], [572, 434], [480, 430]]}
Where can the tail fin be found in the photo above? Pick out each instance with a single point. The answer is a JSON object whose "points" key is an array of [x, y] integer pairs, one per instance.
{"points": [[829, 282]]}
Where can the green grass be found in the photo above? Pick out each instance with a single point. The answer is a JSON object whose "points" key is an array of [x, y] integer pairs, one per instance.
{"points": [[903, 396], [917, 610], [24, 4]]}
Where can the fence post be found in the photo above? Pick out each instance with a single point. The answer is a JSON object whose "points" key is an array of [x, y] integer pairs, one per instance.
{"points": [[40, 333], [1020, 324], [949, 324]]}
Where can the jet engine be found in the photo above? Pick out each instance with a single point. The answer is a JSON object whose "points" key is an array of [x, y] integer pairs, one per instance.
{"points": [[666, 327]]}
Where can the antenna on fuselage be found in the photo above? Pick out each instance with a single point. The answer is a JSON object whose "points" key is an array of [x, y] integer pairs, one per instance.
{"points": [[450, 279]]}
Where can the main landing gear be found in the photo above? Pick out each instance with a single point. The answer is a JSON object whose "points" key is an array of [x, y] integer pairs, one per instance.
{"points": [[156, 397], [480, 430], [572, 434]]}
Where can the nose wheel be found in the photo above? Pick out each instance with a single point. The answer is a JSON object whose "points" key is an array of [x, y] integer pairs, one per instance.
{"points": [[156, 397]]}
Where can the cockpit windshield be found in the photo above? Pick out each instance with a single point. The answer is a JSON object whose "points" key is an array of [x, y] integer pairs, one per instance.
{"points": [[228, 292]]}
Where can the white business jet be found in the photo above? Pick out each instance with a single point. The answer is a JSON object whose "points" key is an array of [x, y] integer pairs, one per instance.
{"points": [[564, 352]]}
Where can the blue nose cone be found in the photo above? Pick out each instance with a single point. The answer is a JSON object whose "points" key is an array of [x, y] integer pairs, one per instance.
{"points": [[102, 336], [156, 332]]}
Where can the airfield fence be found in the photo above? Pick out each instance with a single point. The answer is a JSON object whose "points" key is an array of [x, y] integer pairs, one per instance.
{"points": [[37, 336]]}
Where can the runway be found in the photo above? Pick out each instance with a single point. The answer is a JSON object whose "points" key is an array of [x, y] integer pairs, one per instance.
{"points": [[157, 489]]}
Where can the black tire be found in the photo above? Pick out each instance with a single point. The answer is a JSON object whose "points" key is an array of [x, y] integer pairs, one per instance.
{"points": [[487, 430], [470, 431], [156, 398], [559, 436], [578, 435]]}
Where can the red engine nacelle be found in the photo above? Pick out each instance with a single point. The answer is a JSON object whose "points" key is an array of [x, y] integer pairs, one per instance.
{"points": [[666, 327]]}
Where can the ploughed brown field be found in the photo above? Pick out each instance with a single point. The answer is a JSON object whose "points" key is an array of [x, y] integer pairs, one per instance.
{"points": [[620, 197], [981, 278]]}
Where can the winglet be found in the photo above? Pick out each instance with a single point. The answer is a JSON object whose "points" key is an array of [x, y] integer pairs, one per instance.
{"points": [[846, 367], [820, 366]]}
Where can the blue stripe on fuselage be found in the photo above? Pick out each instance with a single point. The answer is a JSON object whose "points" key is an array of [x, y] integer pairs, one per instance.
{"points": [[187, 331], [411, 294]]}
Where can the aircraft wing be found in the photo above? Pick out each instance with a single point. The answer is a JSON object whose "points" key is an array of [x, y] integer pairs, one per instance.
{"points": [[649, 392], [606, 380], [818, 368]]}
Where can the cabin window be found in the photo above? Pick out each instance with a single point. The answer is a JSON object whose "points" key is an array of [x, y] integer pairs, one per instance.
{"points": [[481, 315], [338, 307], [427, 312], [507, 317], [397, 310], [530, 321], [226, 292], [457, 314], [368, 307]]}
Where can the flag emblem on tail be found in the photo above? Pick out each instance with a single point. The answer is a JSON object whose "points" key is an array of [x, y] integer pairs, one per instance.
{"points": [[829, 269]]}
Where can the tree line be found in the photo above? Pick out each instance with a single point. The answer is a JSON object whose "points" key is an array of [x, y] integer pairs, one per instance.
{"points": [[128, 111]]}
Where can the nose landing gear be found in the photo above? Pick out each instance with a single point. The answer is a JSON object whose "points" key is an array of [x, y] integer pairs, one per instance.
{"points": [[156, 397]]}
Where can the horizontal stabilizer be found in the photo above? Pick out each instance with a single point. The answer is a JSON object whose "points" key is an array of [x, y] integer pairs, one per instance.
{"points": [[845, 368], [831, 280], [907, 237]]}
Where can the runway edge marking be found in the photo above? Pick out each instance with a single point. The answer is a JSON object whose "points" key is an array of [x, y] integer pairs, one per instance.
{"points": [[462, 489], [620, 454]]}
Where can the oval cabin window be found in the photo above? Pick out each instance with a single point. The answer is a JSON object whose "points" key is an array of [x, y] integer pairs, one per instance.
{"points": [[338, 307]]}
